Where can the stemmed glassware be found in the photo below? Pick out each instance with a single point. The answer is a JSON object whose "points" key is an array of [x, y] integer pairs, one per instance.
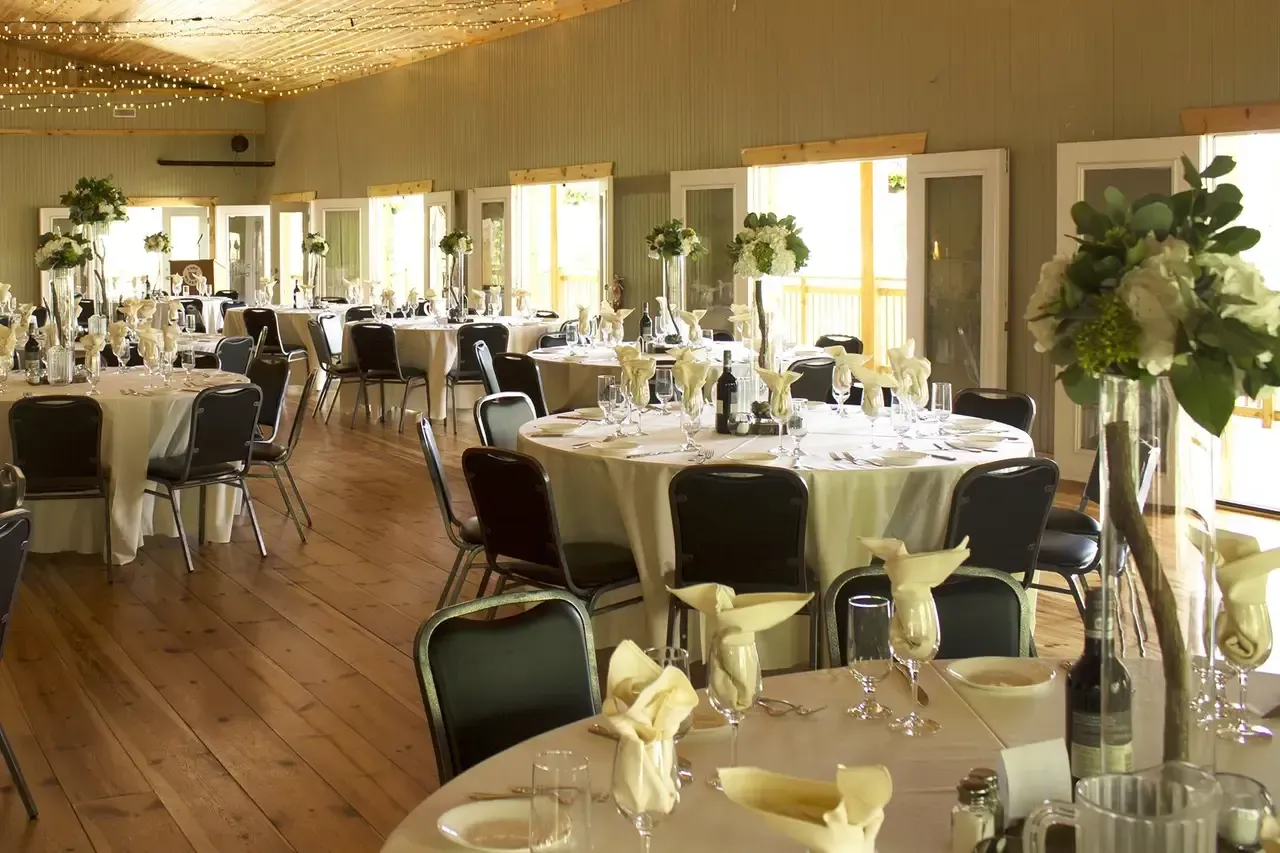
{"points": [[1236, 726], [691, 406], [841, 387], [914, 635], [868, 653], [187, 354], [92, 372], [560, 803], [664, 387], [941, 404], [900, 419], [167, 358], [733, 687], [626, 779], [151, 356], [799, 426], [781, 423], [121, 349], [606, 398]]}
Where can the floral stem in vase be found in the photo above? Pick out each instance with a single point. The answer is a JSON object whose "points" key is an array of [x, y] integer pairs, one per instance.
{"points": [[762, 319]]}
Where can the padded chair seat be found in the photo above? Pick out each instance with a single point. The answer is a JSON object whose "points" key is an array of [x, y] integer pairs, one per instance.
{"points": [[60, 485], [1064, 520], [592, 564], [469, 528], [455, 376], [348, 370], [170, 469], [1067, 553], [269, 451]]}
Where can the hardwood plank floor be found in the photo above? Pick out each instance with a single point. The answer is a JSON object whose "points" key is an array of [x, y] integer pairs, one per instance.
{"points": [[255, 705]]}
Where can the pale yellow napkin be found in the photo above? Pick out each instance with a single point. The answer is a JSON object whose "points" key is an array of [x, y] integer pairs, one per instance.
{"points": [[912, 373], [129, 307], [146, 309], [735, 620], [912, 578], [846, 363], [170, 337], [646, 704], [477, 299], [662, 306], [873, 380], [1243, 629], [430, 294], [93, 343], [150, 340], [8, 342], [584, 319], [693, 320], [636, 373], [118, 333], [844, 817], [779, 390], [412, 296], [689, 373], [614, 318], [4, 290], [743, 316], [389, 297], [521, 299], [24, 314], [175, 311]]}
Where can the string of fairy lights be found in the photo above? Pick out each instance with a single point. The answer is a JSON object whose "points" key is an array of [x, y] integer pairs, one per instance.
{"points": [[270, 53]]}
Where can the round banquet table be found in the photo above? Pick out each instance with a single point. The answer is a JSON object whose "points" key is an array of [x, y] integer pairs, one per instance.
{"points": [[976, 725], [293, 330], [136, 427], [602, 495], [423, 343]]}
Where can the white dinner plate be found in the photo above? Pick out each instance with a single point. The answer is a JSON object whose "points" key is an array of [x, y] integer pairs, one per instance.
{"points": [[614, 446], [556, 428], [492, 826], [971, 442], [593, 413], [750, 456], [1008, 676], [969, 425], [901, 458], [814, 404], [807, 350]]}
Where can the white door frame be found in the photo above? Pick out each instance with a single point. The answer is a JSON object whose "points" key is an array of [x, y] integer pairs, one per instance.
{"points": [[222, 262], [319, 208], [737, 179], [166, 217], [510, 198], [1074, 160], [993, 167], [443, 199], [277, 245]]}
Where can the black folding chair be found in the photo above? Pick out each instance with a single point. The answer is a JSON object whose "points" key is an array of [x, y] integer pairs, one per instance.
{"points": [[15, 538], [851, 344], [815, 379], [378, 360], [263, 321], [86, 311], [485, 359], [464, 533], [57, 444], [194, 308], [467, 370], [270, 372], [500, 416], [333, 368], [1012, 408], [359, 313], [489, 684], [551, 340], [518, 372], [758, 547], [545, 314], [234, 354], [219, 449], [275, 454], [229, 294], [227, 306]]}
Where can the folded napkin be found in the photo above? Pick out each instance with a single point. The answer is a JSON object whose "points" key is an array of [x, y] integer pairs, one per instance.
{"points": [[521, 299], [584, 319], [779, 390], [912, 373], [844, 817], [912, 577], [689, 373], [873, 379], [8, 342], [430, 294], [149, 342], [735, 620], [24, 315], [614, 318], [389, 297], [693, 320], [129, 307], [146, 309], [93, 343], [625, 352], [5, 289], [1243, 628], [645, 704], [846, 362], [636, 373], [117, 334], [412, 296], [476, 300], [170, 335]]}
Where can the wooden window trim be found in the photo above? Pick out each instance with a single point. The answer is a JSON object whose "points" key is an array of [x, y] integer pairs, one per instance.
{"points": [[858, 148], [1239, 118], [402, 188], [560, 174]]}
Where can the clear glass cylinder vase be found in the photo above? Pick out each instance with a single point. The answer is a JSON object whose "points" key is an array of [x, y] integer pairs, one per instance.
{"points": [[1157, 480], [673, 284], [62, 305], [95, 285]]}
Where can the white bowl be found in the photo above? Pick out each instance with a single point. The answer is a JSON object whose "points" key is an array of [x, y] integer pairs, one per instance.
{"points": [[1007, 676], [491, 826]]}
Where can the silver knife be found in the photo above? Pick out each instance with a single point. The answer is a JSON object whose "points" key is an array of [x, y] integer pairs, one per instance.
{"points": [[653, 453]]}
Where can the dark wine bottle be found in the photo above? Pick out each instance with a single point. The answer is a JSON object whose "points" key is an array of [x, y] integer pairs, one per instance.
{"points": [[1099, 745], [726, 395], [646, 324], [297, 294]]}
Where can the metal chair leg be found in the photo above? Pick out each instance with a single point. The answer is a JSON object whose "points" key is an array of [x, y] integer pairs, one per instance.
{"points": [[288, 504], [200, 523], [106, 513], [15, 772], [453, 574], [182, 530], [360, 392], [324, 390], [452, 414], [404, 402], [333, 404], [1076, 584], [382, 401], [467, 563], [672, 615], [253, 517], [484, 581], [305, 514]]}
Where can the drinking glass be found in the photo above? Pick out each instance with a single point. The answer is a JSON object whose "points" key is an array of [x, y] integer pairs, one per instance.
{"points": [[188, 355], [121, 349], [841, 387], [781, 423], [900, 420], [189, 322], [1246, 804], [665, 656], [92, 372], [4, 373], [691, 420], [798, 426], [151, 363], [606, 397], [941, 404], [913, 638], [167, 358], [868, 654], [664, 387], [560, 805], [631, 777], [733, 686], [1236, 726]]}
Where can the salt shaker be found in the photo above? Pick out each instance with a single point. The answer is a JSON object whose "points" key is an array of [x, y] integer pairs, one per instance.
{"points": [[972, 820], [992, 781]]}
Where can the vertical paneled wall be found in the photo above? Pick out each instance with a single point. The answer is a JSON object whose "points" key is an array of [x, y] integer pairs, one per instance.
{"points": [[659, 85]]}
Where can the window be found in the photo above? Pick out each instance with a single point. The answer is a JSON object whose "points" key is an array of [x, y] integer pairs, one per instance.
{"points": [[399, 226]]}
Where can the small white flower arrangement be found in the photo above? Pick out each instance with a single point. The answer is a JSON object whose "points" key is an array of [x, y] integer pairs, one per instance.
{"points": [[457, 243], [157, 242], [58, 251], [315, 244], [672, 239]]}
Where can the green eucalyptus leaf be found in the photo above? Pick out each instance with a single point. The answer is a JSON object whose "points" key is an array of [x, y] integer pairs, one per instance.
{"points": [[1205, 388], [1234, 240], [1150, 198], [1136, 253], [1190, 174], [1225, 213], [1180, 204], [1223, 194], [1117, 205], [1221, 165], [1083, 271], [1156, 216], [1080, 386], [1088, 221]]}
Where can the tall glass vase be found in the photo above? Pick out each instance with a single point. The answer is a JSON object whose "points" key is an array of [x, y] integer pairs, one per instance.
{"points": [[62, 305], [95, 287], [1158, 478], [673, 284]]}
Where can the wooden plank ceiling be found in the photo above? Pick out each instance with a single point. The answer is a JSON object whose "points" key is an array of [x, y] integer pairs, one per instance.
{"points": [[269, 48]]}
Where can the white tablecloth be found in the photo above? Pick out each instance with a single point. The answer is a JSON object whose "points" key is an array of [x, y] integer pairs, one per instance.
{"points": [[293, 330], [425, 344], [134, 430], [975, 726], [604, 496]]}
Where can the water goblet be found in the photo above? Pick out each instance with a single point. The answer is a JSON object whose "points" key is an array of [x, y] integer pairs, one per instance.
{"points": [[151, 363], [1236, 725], [664, 387], [631, 777], [665, 656], [868, 654], [691, 406], [841, 387], [167, 358], [733, 687], [900, 419], [779, 414], [121, 350], [92, 372], [941, 404], [560, 803], [798, 426], [913, 638], [187, 354], [189, 323], [606, 399]]}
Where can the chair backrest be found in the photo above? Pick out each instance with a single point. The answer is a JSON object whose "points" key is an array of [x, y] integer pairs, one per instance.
{"points": [[996, 404], [421, 310], [435, 467], [234, 354], [1148, 462], [229, 294], [320, 342], [336, 300], [545, 314], [41, 315], [206, 361], [852, 345], [15, 536], [495, 335], [740, 525], [358, 313], [299, 417], [815, 378], [56, 438], [569, 326], [484, 358], [258, 319], [270, 372], [551, 340], [13, 486], [511, 494], [227, 306], [981, 612], [490, 684], [375, 346], [194, 308], [518, 372], [332, 327], [223, 420], [1002, 507], [86, 311], [500, 416]]}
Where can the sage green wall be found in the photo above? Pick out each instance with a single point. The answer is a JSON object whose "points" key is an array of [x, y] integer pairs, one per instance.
{"points": [[659, 85]]}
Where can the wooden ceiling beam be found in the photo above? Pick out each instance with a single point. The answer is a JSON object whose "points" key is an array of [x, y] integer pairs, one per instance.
{"points": [[126, 131]]}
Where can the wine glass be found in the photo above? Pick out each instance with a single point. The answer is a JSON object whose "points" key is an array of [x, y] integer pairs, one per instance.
{"points": [[188, 356], [868, 654], [799, 425], [779, 420], [167, 358], [664, 387], [841, 387], [733, 686], [1236, 727], [691, 420], [900, 419], [606, 395], [665, 656], [941, 404], [121, 349], [92, 372], [151, 363], [633, 787], [913, 638]]}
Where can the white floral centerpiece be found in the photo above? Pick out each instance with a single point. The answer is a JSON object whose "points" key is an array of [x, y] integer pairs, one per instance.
{"points": [[157, 242], [673, 242], [1156, 316], [61, 254], [767, 245], [93, 204], [456, 245]]}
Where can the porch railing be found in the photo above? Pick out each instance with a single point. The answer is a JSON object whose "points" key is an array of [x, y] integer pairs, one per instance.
{"points": [[817, 305]]}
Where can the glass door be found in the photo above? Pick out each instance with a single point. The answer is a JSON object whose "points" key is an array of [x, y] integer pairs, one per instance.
{"points": [[1136, 167], [439, 222], [188, 230], [957, 264], [291, 221], [345, 225], [490, 216], [564, 256], [243, 248], [712, 202]]}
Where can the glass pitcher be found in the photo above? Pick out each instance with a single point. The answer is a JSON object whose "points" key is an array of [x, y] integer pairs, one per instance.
{"points": [[1171, 808]]}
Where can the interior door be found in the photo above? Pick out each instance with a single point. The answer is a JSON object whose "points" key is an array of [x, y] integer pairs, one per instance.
{"points": [[491, 215], [440, 221], [243, 248], [290, 222], [958, 264], [188, 230], [712, 202], [345, 224], [1136, 167]]}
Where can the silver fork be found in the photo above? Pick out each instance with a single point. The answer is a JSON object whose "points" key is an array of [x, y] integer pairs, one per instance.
{"points": [[874, 463]]}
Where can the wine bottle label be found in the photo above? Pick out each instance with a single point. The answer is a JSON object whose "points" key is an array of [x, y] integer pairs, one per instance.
{"points": [[1098, 749]]}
